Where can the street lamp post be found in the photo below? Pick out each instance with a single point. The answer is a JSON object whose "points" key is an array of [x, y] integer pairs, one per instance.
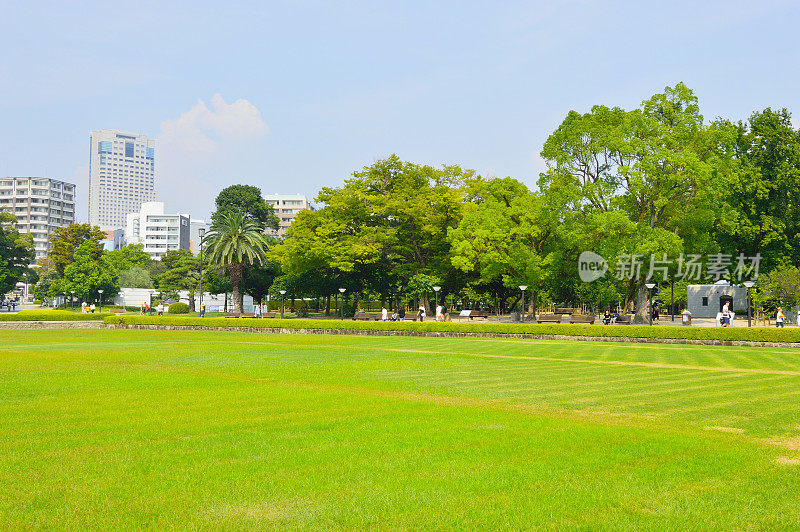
{"points": [[523, 287], [282, 292], [436, 289], [101, 300], [749, 285], [72, 300], [202, 233], [650, 287], [341, 308]]}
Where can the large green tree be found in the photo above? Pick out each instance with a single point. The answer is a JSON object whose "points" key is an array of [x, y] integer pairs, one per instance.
{"points": [[66, 241], [16, 253], [237, 243], [650, 180], [88, 273], [388, 223], [127, 257], [248, 200]]}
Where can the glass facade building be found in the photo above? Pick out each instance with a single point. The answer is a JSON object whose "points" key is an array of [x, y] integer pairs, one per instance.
{"points": [[121, 176]]}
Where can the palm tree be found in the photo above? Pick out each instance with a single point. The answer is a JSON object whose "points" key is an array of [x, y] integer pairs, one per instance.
{"points": [[235, 243]]}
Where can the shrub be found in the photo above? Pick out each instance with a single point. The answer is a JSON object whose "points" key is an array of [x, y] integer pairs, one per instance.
{"points": [[52, 315], [37, 301], [752, 334], [178, 308]]}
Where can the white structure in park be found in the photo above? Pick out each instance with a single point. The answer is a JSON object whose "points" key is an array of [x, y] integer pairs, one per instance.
{"points": [[707, 300], [41, 206], [286, 208], [158, 232], [133, 297], [121, 176]]}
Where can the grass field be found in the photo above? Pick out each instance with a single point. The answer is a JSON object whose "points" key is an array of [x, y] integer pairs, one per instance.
{"points": [[132, 429]]}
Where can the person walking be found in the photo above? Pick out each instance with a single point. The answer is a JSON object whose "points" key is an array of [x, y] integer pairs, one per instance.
{"points": [[384, 314], [258, 311], [779, 318], [92, 307], [203, 310], [83, 307], [160, 308], [798, 316], [421, 313], [439, 313]]}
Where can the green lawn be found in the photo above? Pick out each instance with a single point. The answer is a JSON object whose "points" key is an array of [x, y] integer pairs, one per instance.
{"points": [[132, 429]]}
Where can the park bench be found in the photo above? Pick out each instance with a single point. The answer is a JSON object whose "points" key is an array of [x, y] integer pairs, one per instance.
{"points": [[117, 310], [623, 320], [365, 316], [249, 315], [483, 314], [575, 318], [269, 314], [232, 315], [548, 318], [564, 311]]}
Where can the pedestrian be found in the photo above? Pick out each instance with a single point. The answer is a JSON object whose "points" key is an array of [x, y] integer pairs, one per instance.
{"points": [[203, 310], [83, 307], [439, 314], [401, 313], [258, 311], [92, 307], [143, 306], [779, 317], [421, 313], [160, 308], [798, 316], [384, 314]]}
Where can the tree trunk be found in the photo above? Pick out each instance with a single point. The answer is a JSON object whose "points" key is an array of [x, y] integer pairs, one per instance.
{"points": [[235, 271], [640, 316]]}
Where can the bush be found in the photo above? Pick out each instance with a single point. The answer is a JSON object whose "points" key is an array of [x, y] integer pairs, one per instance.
{"points": [[52, 315], [178, 308], [751, 334], [37, 301]]}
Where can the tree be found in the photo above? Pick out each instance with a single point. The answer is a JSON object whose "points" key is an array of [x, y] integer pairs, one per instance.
{"points": [[245, 199], [66, 240], [654, 175], [89, 272], [127, 257], [16, 253], [182, 273], [236, 243], [135, 277], [762, 204], [504, 236], [389, 223], [778, 288]]}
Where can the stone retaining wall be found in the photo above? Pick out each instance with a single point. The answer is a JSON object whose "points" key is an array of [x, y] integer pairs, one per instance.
{"points": [[86, 324]]}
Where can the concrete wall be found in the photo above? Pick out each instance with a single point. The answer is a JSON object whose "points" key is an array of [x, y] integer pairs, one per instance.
{"points": [[696, 292]]}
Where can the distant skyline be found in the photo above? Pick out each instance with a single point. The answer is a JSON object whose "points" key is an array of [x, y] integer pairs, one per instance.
{"points": [[294, 96]]}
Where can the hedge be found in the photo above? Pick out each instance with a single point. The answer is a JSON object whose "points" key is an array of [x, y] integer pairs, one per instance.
{"points": [[745, 334], [53, 315]]}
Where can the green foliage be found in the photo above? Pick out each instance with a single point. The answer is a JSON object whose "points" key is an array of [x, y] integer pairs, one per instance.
{"points": [[135, 277], [41, 290], [88, 273], [16, 253], [129, 257], [178, 308], [182, 272], [779, 288], [53, 315], [245, 199], [66, 241]]}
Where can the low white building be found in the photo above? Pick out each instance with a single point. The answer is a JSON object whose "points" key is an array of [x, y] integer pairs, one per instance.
{"points": [[286, 208], [706, 300], [158, 232], [134, 297]]}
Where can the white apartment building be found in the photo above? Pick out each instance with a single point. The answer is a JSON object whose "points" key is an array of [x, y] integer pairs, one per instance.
{"points": [[197, 229], [158, 232], [286, 208], [41, 206], [121, 176]]}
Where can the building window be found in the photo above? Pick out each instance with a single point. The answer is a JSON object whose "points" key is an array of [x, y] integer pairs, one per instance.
{"points": [[705, 301]]}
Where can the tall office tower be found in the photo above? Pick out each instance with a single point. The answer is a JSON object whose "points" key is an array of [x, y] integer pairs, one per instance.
{"points": [[41, 205], [121, 176]]}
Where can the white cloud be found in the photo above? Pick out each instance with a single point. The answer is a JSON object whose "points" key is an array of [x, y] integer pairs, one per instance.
{"points": [[204, 150], [202, 128]]}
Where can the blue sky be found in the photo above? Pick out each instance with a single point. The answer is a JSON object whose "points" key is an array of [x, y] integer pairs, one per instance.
{"points": [[293, 96]]}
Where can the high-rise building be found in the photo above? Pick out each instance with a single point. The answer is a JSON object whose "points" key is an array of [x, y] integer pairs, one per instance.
{"points": [[197, 230], [286, 208], [121, 176], [158, 232], [41, 206]]}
